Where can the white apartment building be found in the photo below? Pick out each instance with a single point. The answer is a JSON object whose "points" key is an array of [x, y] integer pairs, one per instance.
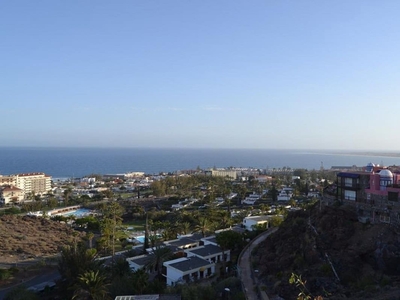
{"points": [[7, 180], [223, 173], [38, 183]]}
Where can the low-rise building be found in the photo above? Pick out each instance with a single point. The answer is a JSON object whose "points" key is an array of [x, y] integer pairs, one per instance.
{"points": [[285, 194], [251, 222], [187, 269], [11, 194], [139, 262], [251, 199], [209, 252]]}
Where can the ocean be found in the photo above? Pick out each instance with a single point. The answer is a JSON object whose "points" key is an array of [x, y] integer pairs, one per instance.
{"points": [[78, 162]]}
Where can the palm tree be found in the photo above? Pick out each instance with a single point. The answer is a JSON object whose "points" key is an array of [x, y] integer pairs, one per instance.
{"points": [[140, 280], [185, 227], [225, 220], [158, 257], [91, 285], [73, 263], [204, 226], [90, 236]]}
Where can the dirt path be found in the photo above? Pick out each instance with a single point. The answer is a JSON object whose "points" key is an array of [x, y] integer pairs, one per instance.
{"points": [[246, 273]]}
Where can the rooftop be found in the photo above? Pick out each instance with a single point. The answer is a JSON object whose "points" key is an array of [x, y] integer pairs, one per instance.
{"points": [[205, 250], [190, 263], [11, 188], [258, 218], [183, 242], [30, 174], [140, 260]]}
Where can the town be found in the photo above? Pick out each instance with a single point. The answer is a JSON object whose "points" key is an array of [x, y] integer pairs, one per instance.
{"points": [[190, 234]]}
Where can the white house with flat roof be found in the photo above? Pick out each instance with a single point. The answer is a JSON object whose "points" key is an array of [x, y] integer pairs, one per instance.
{"points": [[209, 252], [285, 194], [187, 269], [139, 262], [250, 222], [184, 242]]}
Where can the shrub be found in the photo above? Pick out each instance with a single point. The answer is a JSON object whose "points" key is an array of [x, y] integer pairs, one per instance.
{"points": [[325, 269], [5, 274]]}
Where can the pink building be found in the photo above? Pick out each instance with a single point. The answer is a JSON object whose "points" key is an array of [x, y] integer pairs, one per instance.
{"points": [[375, 191]]}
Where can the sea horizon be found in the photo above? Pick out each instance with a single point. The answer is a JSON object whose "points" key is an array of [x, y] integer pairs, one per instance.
{"points": [[64, 162]]}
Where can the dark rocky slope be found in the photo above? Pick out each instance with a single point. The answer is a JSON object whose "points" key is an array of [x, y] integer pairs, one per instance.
{"points": [[365, 257]]}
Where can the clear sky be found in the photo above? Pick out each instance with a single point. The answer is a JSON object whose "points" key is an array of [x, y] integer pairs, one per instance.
{"points": [[201, 74]]}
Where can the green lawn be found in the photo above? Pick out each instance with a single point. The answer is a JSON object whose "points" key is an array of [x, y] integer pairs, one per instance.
{"points": [[136, 225]]}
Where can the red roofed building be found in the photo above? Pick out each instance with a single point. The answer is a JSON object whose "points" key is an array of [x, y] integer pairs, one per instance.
{"points": [[11, 194]]}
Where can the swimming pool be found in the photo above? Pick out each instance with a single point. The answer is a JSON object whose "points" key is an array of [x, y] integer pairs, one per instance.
{"points": [[141, 238], [79, 213]]}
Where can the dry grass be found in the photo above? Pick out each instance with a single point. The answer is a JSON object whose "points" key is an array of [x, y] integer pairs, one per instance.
{"points": [[25, 237]]}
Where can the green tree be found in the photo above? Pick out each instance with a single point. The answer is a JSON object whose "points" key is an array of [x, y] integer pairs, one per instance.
{"points": [[140, 280], [75, 262], [52, 202], [224, 219], [203, 226], [108, 194], [159, 188], [292, 203], [274, 194], [185, 227], [228, 240], [67, 195], [111, 219], [90, 236], [91, 285], [276, 221], [301, 285], [159, 255], [264, 208]]}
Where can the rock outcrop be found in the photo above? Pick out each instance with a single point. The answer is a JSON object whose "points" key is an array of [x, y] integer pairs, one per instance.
{"points": [[317, 244]]}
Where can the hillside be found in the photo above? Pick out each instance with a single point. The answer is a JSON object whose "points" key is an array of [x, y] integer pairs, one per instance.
{"points": [[366, 257], [26, 237]]}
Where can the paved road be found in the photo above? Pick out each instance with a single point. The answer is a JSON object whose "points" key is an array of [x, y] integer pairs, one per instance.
{"points": [[50, 276], [245, 266]]}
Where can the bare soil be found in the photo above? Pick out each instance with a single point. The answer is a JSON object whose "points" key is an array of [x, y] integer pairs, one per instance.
{"points": [[25, 238]]}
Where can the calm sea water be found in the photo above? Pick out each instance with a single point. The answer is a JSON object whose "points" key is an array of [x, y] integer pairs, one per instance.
{"points": [[78, 162]]}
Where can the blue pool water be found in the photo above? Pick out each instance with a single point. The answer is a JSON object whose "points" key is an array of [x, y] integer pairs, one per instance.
{"points": [[140, 238], [79, 213]]}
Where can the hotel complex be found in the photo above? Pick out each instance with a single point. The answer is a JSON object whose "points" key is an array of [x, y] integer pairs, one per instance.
{"points": [[16, 188]]}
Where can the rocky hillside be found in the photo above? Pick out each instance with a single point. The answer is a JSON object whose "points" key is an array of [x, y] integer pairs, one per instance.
{"points": [[31, 237], [365, 257]]}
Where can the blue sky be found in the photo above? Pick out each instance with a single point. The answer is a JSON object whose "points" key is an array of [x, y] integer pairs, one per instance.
{"points": [[201, 74]]}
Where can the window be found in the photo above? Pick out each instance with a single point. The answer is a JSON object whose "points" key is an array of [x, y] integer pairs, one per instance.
{"points": [[349, 195], [348, 182]]}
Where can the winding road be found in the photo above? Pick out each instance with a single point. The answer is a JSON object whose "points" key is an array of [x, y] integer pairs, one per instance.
{"points": [[246, 273]]}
